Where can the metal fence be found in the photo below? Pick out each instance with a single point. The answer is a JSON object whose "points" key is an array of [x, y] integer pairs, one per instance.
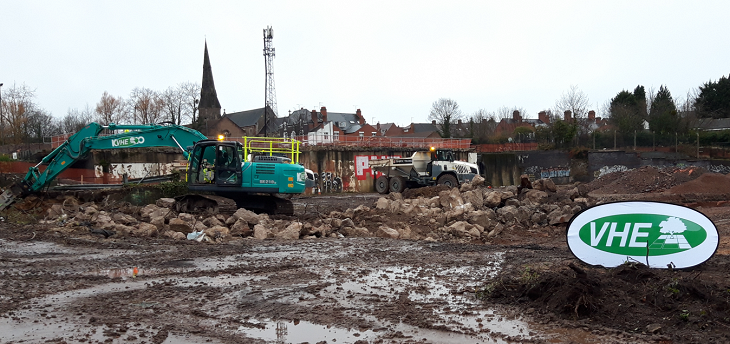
{"points": [[382, 141]]}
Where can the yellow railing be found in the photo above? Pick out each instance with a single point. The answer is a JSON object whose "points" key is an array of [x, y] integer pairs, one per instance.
{"points": [[271, 146]]}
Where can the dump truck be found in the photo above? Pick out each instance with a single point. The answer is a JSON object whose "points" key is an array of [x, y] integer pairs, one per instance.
{"points": [[219, 174], [423, 168]]}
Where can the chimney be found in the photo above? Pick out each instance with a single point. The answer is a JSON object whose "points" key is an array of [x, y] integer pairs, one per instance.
{"points": [[592, 115], [542, 115], [567, 115], [315, 120], [324, 114], [378, 126], [516, 116], [360, 118], [433, 122], [459, 122]]}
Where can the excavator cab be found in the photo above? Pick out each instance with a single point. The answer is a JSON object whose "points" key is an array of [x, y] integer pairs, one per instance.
{"points": [[215, 162]]}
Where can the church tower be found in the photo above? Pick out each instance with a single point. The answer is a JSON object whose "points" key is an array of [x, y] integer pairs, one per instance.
{"points": [[209, 107]]}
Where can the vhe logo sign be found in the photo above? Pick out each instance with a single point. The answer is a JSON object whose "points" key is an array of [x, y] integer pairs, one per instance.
{"points": [[653, 233], [127, 141]]}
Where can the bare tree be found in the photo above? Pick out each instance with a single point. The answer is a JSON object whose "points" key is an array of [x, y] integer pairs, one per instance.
{"points": [[41, 124], [76, 120], [503, 113], [445, 112], [146, 106], [110, 109], [18, 104], [484, 125], [172, 105], [191, 97], [574, 100]]}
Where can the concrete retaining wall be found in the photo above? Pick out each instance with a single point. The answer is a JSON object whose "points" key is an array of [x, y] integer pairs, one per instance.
{"points": [[506, 168], [603, 162]]}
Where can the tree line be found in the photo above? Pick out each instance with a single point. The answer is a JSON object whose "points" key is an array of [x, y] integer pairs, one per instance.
{"points": [[635, 114], [23, 120]]}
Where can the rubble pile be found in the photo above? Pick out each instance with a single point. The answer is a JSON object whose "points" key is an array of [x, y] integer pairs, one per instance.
{"points": [[476, 213], [472, 212], [646, 179]]}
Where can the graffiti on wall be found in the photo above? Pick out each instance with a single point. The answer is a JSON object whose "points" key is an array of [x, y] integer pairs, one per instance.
{"points": [[537, 172], [609, 169], [362, 164], [719, 169], [555, 172]]}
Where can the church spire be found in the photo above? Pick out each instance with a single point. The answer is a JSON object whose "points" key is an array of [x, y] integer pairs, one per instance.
{"points": [[209, 107]]}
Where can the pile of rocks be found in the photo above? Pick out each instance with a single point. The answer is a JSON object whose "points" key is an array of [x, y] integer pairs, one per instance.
{"points": [[471, 212], [161, 220]]}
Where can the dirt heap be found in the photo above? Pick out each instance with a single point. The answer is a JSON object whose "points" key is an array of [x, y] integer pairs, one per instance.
{"points": [[646, 179], [631, 298], [708, 183]]}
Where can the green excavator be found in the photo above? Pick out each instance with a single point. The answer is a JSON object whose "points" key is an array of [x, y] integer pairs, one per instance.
{"points": [[220, 176]]}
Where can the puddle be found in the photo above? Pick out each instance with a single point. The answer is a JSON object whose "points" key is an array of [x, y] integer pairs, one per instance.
{"points": [[41, 250], [56, 330], [303, 331], [445, 290]]}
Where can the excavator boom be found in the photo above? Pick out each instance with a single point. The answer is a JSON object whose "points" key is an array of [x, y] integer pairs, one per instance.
{"points": [[87, 139]]}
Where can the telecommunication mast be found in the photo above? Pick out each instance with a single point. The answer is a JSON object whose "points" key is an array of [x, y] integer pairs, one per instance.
{"points": [[270, 90]]}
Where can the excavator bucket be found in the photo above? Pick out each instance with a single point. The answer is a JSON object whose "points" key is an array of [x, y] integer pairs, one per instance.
{"points": [[6, 199], [10, 195]]}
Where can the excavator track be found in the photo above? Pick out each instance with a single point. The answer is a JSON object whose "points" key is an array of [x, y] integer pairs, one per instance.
{"points": [[194, 203], [269, 204]]}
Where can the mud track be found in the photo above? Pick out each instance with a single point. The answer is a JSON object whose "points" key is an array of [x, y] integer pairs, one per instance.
{"points": [[83, 289]]}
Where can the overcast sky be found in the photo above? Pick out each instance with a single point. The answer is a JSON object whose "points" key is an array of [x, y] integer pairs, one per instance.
{"points": [[392, 59]]}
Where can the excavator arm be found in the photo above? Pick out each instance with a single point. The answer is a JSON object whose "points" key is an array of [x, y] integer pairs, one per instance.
{"points": [[87, 139]]}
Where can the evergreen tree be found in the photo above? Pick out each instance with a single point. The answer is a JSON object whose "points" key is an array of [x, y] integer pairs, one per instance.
{"points": [[714, 99], [663, 116], [628, 110]]}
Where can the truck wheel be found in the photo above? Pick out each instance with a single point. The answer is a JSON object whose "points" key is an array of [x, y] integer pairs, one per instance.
{"points": [[397, 184], [382, 185], [448, 180]]}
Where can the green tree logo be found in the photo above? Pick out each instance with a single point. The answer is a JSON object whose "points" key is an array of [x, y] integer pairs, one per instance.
{"points": [[671, 237]]}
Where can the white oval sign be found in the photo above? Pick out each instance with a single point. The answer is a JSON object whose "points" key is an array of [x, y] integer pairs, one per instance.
{"points": [[660, 235]]}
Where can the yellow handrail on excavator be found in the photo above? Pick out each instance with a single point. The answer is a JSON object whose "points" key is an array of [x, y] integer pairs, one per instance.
{"points": [[271, 146]]}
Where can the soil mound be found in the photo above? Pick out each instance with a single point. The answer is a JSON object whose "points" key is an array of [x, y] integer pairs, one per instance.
{"points": [[425, 192], [708, 183], [643, 180], [629, 297]]}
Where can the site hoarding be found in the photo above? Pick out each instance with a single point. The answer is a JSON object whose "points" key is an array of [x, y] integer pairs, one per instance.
{"points": [[660, 235]]}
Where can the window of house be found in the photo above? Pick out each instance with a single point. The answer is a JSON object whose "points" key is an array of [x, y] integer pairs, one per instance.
{"points": [[336, 136]]}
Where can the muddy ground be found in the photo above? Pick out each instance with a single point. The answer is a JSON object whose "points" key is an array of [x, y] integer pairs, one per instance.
{"points": [[522, 286]]}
